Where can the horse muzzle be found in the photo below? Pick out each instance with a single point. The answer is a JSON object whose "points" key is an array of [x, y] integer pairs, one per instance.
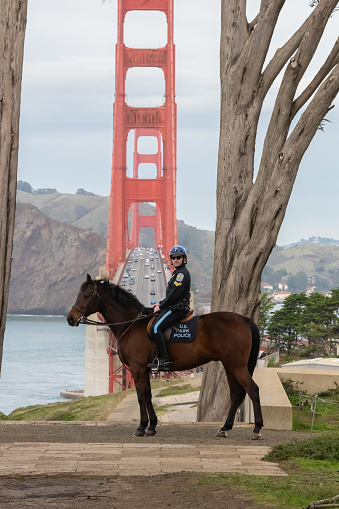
{"points": [[72, 321]]}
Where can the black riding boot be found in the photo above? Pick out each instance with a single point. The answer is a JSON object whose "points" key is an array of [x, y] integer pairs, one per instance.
{"points": [[163, 363]]}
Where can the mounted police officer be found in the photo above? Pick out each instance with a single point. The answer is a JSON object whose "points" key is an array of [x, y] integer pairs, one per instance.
{"points": [[173, 308]]}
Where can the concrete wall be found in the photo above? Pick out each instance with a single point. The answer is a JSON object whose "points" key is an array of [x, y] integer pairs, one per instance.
{"points": [[311, 380], [96, 359], [275, 405]]}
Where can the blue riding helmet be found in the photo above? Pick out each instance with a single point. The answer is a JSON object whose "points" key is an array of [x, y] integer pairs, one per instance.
{"points": [[178, 250]]}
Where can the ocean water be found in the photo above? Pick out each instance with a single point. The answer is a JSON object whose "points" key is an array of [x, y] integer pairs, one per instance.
{"points": [[42, 356]]}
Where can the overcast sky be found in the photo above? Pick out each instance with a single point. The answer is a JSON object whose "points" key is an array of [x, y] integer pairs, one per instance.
{"points": [[68, 94]]}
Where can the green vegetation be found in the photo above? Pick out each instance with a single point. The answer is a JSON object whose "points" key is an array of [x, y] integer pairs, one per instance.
{"points": [[310, 413], [176, 389], [301, 321], [172, 390], [92, 408], [325, 447], [312, 468], [319, 259], [266, 308]]}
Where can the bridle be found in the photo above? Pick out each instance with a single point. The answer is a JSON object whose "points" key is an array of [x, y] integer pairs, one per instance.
{"points": [[83, 312], [84, 320]]}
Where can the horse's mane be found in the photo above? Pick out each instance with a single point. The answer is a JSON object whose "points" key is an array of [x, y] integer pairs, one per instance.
{"points": [[124, 298]]}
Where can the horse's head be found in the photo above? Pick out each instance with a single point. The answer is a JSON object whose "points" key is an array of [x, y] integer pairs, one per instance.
{"points": [[86, 302]]}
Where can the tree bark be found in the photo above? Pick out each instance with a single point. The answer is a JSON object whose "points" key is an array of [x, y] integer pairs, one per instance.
{"points": [[250, 213], [13, 14]]}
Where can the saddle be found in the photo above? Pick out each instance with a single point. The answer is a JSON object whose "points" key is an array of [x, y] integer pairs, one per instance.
{"points": [[180, 332]]}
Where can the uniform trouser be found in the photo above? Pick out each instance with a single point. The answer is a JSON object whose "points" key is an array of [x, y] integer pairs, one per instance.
{"points": [[166, 318]]}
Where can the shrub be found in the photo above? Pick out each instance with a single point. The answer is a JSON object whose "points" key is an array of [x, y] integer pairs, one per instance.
{"points": [[291, 388], [325, 447]]}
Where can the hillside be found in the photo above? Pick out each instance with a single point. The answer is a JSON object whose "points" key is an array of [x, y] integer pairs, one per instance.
{"points": [[60, 237], [320, 262], [52, 254], [87, 212], [309, 258], [50, 260]]}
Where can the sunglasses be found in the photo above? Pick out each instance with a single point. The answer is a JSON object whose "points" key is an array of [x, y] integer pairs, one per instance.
{"points": [[176, 257]]}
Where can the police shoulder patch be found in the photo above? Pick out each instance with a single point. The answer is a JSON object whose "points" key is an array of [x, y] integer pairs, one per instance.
{"points": [[179, 277]]}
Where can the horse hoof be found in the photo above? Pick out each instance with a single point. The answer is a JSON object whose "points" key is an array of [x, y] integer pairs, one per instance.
{"points": [[255, 436], [150, 433], [221, 434], [139, 433]]}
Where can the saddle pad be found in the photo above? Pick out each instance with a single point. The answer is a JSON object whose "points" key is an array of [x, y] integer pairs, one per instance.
{"points": [[180, 332], [185, 331]]}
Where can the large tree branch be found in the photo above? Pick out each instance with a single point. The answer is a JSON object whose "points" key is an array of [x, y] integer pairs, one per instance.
{"points": [[253, 23], [234, 32], [260, 39], [282, 113], [307, 126], [331, 61], [282, 55], [270, 203]]}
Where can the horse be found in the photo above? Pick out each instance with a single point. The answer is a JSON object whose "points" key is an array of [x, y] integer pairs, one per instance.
{"points": [[228, 337]]}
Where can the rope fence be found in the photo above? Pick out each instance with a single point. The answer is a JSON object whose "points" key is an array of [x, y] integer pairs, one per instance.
{"points": [[312, 401]]}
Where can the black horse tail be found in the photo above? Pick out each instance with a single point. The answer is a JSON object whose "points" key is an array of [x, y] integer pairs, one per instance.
{"points": [[252, 361]]}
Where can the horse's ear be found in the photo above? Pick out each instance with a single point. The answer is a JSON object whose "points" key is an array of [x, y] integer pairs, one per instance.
{"points": [[89, 279]]}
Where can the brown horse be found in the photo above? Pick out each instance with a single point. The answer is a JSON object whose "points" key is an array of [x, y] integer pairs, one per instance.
{"points": [[228, 337]]}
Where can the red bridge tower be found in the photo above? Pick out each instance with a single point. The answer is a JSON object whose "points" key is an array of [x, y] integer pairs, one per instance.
{"points": [[159, 122]]}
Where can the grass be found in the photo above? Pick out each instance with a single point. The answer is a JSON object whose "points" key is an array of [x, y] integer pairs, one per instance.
{"points": [[176, 389], [309, 479], [319, 414], [172, 390], [91, 408]]}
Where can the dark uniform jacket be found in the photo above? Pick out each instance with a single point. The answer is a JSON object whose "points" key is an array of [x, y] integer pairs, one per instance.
{"points": [[178, 290]]}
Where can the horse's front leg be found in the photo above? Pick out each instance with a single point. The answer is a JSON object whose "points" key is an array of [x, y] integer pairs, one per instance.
{"points": [[140, 379], [153, 420]]}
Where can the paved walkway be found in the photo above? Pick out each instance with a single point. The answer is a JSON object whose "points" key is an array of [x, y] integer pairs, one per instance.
{"points": [[181, 408], [126, 459], [131, 459]]}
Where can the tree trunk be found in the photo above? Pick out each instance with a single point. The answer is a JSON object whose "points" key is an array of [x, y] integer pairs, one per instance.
{"points": [[13, 14], [250, 213]]}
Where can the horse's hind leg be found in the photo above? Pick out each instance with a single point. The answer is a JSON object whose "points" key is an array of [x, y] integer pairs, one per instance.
{"points": [[247, 382], [237, 395], [151, 413]]}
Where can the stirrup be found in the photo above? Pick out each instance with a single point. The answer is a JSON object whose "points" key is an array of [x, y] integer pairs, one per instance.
{"points": [[159, 365], [154, 366]]}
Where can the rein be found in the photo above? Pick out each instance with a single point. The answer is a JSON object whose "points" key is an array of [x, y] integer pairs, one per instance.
{"points": [[140, 316], [86, 321]]}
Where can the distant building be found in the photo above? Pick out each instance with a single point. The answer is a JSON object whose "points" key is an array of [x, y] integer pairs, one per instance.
{"points": [[266, 287], [280, 296], [309, 290], [282, 285]]}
